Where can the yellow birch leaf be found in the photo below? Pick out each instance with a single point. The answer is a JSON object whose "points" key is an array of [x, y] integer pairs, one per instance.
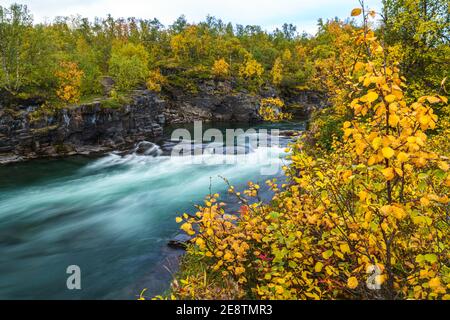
{"points": [[356, 12], [352, 283], [388, 152]]}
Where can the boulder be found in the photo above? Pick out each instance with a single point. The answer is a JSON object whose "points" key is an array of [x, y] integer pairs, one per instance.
{"points": [[180, 241]]}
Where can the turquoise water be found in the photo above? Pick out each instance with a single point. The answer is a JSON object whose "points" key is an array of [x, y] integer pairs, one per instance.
{"points": [[112, 216]]}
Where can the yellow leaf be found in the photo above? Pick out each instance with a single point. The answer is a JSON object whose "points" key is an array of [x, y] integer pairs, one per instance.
{"points": [[434, 283], [372, 160], [318, 267], [362, 195], [327, 254], [402, 157], [346, 175], [279, 290], [376, 143], [393, 120], [424, 120], [389, 173], [359, 66], [398, 212], [352, 283], [386, 210], [443, 166], [388, 152], [390, 98], [356, 12], [228, 256], [179, 220], [444, 99], [399, 172], [371, 96], [239, 270], [200, 242], [433, 100], [425, 202], [345, 248], [187, 227]]}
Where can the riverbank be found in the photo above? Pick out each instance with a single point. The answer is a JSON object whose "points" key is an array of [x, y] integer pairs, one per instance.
{"points": [[30, 131]]}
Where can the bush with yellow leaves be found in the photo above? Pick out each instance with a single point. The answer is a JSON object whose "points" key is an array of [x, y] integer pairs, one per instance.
{"points": [[69, 82], [156, 81], [277, 72], [221, 69], [368, 220], [251, 71], [271, 109]]}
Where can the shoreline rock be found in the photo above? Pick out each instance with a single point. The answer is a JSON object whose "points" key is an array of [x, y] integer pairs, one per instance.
{"points": [[180, 241]]}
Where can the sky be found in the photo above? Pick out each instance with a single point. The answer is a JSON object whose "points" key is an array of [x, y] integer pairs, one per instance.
{"points": [[267, 13]]}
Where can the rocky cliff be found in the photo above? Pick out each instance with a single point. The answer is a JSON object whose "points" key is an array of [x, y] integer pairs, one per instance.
{"points": [[85, 129], [28, 133]]}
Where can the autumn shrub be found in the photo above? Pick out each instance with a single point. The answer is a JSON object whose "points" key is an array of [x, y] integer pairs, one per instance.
{"points": [[277, 72], [271, 109], [221, 69], [156, 81], [69, 78], [251, 71], [366, 220]]}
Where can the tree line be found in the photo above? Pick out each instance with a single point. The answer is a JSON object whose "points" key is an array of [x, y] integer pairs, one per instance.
{"points": [[65, 60]]}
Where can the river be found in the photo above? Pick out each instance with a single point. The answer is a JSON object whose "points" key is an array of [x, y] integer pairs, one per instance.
{"points": [[112, 216]]}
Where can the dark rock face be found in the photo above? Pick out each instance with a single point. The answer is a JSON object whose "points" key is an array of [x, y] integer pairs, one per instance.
{"points": [[85, 129], [302, 104], [107, 85], [216, 102]]}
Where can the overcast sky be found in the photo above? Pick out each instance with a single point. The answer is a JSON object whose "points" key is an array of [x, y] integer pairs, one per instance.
{"points": [[267, 13]]}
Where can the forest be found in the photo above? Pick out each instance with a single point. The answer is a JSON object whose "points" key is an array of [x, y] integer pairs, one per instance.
{"points": [[63, 61], [364, 213]]}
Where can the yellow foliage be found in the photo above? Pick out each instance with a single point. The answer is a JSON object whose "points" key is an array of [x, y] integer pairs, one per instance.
{"points": [[251, 69], [221, 68], [352, 283], [277, 72], [377, 201], [271, 109], [356, 12], [156, 81], [69, 79]]}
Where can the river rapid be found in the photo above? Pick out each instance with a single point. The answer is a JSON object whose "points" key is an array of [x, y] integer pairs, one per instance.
{"points": [[112, 216]]}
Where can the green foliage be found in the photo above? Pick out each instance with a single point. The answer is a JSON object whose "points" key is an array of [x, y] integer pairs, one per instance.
{"points": [[325, 127], [127, 49], [128, 65], [86, 58], [15, 23], [418, 32]]}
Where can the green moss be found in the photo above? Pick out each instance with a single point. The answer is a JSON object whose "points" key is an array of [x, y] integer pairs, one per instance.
{"points": [[90, 98], [45, 110], [44, 131]]}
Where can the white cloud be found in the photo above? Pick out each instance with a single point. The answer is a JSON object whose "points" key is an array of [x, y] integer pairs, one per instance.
{"points": [[267, 13]]}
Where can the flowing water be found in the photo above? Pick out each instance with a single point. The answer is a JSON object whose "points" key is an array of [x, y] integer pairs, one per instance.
{"points": [[112, 216]]}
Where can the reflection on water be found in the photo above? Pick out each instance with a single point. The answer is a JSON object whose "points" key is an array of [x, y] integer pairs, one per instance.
{"points": [[112, 216]]}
